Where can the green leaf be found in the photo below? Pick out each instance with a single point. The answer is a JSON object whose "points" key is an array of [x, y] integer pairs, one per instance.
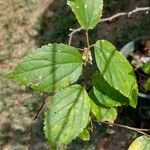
{"points": [[49, 68], [146, 68], [85, 135], [68, 115], [107, 95], [147, 85], [102, 113], [116, 70], [87, 12], [141, 143]]}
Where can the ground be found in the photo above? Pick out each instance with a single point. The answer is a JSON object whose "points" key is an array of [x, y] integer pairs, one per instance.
{"points": [[28, 24]]}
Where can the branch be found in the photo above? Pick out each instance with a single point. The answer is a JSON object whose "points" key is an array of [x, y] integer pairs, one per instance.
{"points": [[45, 98], [87, 40], [137, 9], [38, 112], [73, 31], [141, 131]]}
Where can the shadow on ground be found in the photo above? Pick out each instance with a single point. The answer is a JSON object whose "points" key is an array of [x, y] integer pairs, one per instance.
{"points": [[54, 24]]}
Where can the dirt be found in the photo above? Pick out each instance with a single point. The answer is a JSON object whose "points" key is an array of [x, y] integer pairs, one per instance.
{"points": [[24, 26], [17, 31]]}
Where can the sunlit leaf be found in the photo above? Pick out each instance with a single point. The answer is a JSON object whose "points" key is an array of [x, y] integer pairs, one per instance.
{"points": [[68, 115], [141, 143], [87, 12], [85, 135], [116, 70], [146, 68], [49, 68]]}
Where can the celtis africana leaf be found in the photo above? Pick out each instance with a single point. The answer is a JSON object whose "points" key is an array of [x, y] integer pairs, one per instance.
{"points": [[141, 143], [100, 112], [49, 68], [85, 135], [87, 12], [116, 70], [147, 85], [68, 115], [146, 68], [107, 95]]}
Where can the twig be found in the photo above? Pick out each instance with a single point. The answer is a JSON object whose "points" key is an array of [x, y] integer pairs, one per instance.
{"points": [[137, 9], [73, 31], [87, 53], [87, 40], [41, 107], [38, 112], [141, 131]]}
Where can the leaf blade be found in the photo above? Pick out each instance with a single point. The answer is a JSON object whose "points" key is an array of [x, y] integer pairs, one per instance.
{"points": [[147, 85], [116, 70], [68, 115], [85, 135], [49, 68], [109, 97], [87, 12], [141, 143], [102, 113], [146, 68]]}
